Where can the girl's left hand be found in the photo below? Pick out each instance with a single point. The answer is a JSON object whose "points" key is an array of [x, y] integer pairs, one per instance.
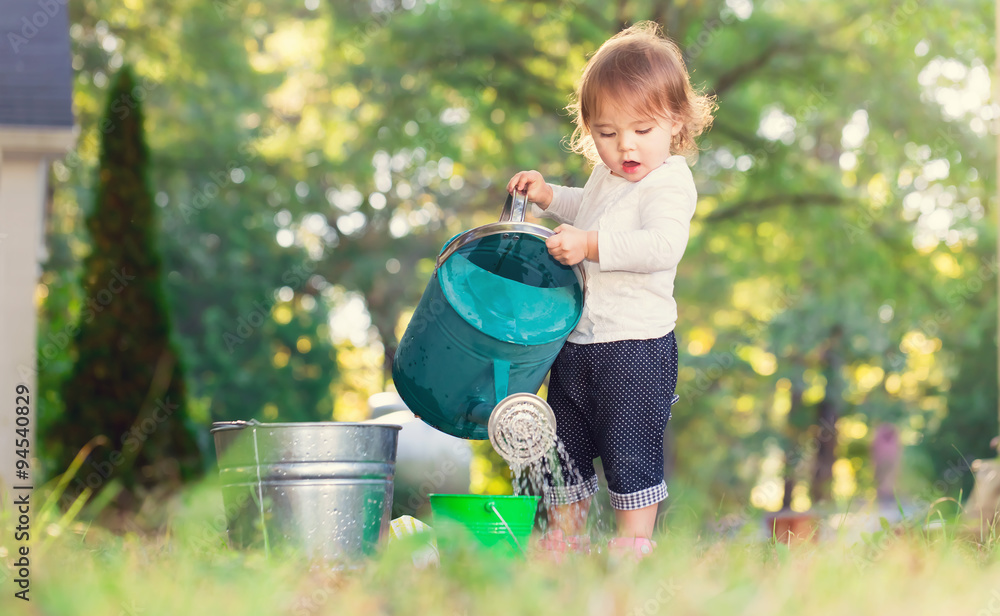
{"points": [[569, 245]]}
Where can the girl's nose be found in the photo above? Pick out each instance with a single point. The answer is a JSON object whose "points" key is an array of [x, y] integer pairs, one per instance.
{"points": [[624, 144]]}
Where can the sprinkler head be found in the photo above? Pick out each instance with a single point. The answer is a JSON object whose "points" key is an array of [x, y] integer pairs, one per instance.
{"points": [[522, 429]]}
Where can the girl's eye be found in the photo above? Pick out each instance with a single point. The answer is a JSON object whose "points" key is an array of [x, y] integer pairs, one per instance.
{"points": [[643, 132], [607, 134]]}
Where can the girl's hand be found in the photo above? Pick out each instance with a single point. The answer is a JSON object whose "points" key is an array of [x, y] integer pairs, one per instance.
{"points": [[570, 245], [532, 183]]}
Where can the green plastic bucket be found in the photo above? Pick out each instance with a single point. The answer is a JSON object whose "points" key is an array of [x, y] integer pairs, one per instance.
{"points": [[501, 523]]}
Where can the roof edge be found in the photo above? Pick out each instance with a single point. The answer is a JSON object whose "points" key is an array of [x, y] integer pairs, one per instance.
{"points": [[37, 139]]}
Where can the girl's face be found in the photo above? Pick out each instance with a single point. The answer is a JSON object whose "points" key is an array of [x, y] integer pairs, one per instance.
{"points": [[630, 145]]}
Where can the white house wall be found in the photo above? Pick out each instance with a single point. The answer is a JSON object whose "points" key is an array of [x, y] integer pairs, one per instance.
{"points": [[22, 192]]}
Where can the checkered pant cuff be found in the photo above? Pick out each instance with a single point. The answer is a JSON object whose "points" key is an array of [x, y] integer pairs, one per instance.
{"points": [[640, 499], [566, 495]]}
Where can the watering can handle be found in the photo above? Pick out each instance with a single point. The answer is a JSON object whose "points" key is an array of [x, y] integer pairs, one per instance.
{"points": [[514, 207]]}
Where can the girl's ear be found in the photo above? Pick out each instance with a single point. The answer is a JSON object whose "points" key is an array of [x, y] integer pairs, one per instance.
{"points": [[675, 128]]}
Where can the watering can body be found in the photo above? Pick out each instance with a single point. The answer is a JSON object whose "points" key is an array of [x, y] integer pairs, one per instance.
{"points": [[490, 323]]}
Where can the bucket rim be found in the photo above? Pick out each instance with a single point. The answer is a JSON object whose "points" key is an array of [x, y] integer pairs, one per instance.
{"points": [[240, 424], [488, 496]]}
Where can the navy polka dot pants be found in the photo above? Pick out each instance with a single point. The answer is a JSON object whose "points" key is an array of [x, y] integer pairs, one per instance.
{"points": [[612, 400]]}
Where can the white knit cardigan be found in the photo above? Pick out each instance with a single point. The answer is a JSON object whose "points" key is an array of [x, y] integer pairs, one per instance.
{"points": [[642, 231]]}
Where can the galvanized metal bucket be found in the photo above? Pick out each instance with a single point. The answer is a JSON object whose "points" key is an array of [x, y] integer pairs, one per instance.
{"points": [[323, 490], [490, 323]]}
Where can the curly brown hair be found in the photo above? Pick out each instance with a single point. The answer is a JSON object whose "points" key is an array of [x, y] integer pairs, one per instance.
{"points": [[645, 70]]}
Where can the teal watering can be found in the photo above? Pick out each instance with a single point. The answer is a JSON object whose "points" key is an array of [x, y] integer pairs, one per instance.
{"points": [[490, 323]]}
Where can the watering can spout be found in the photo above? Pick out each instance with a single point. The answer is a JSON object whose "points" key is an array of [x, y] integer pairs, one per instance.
{"points": [[480, 409], [479, 412], [522, 429]]}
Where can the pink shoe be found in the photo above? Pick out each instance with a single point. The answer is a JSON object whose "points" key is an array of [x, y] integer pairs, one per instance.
{"points": [[555, 546], [634, 547]]}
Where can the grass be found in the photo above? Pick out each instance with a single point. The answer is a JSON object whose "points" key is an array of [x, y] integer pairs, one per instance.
{"points": [[187, 569]]}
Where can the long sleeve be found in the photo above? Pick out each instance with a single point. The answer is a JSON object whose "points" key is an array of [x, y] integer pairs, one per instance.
{"points": [[664, 226], [565, 206]]}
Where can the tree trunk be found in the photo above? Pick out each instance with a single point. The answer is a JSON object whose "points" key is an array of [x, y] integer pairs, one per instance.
{"points": [[828, 412], [792, 454]]}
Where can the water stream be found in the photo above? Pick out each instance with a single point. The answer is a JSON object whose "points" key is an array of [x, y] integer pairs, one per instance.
{"points": [[555, 469]]}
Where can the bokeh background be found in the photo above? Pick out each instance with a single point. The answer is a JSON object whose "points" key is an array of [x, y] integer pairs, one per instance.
{"points": [[308, 159]]}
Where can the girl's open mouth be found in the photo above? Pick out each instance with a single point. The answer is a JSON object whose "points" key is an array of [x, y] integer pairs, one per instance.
{"points": [[630, 166]]}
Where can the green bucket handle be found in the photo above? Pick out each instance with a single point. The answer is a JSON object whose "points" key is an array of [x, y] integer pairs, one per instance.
{"points": [[491, 506]]}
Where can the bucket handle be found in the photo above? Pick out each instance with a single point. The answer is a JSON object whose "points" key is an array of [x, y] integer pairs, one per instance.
{"points": [[491, 506]]}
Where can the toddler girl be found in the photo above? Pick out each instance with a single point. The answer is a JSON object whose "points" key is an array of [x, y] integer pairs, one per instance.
{"points": [[612, 384]]}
